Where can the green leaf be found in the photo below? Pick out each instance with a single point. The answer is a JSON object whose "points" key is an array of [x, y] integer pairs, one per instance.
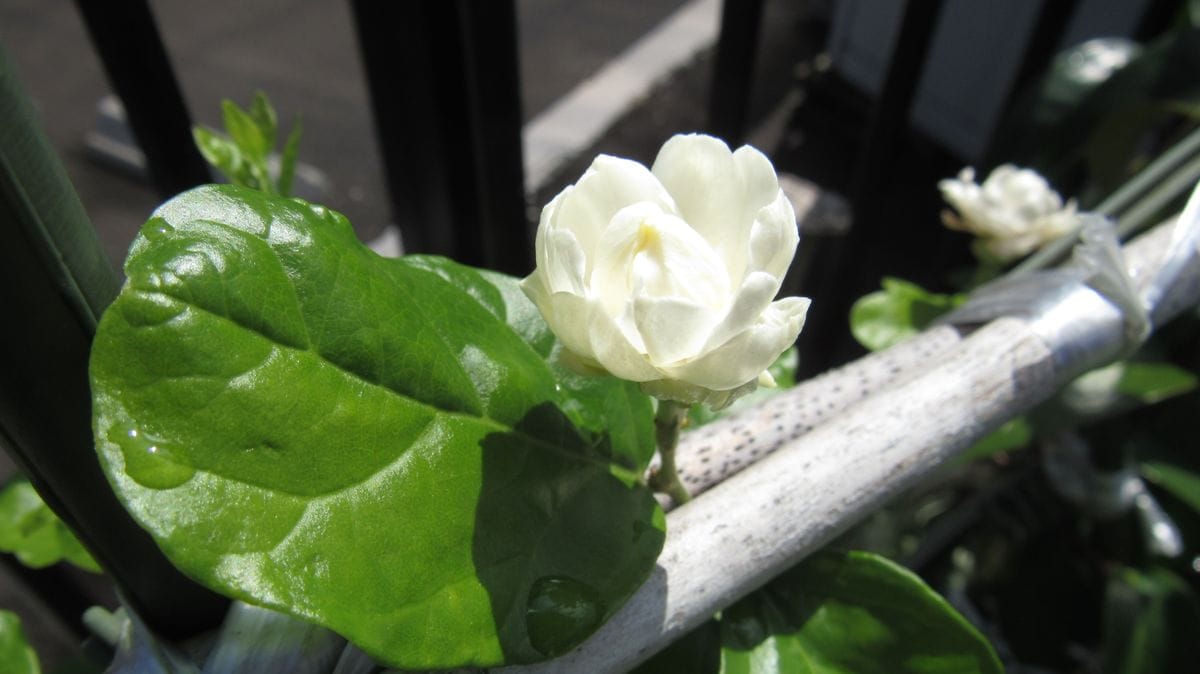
{"points": [[616, 414], [219, 151], [1183, 484], [263, 114], [303, 424], [32, 532], [287, 163], [897, 312], [16, 656], [1150, 383], [1151, 620], [852, 612], [1012, 434], [245, 131]]}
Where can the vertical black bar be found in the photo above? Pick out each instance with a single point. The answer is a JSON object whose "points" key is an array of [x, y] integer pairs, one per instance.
{"points": [[444, 88], [836, 283], [889, 118], [1157, 17], [1044, 41], [55, 280], [494, 89], [733, 69], [127, 40]]}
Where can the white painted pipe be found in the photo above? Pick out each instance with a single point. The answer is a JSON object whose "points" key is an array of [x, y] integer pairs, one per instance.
{"points": [[833, 450]]}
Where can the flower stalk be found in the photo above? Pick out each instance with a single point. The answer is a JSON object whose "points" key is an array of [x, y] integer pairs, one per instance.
{"points": [[667, 423]]}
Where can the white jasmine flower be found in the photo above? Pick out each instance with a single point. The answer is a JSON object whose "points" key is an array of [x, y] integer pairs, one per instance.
{"points": [[1013, 212], [667, 276]]}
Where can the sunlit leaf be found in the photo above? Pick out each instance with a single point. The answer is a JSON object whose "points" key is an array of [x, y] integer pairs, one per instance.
{"points": [[245, 131], [32, 532], [851, 613], [16, 656], [356, 440], [897, 312]]}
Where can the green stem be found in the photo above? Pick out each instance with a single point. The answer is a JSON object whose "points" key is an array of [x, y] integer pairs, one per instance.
{"points": [[1174, 187], [1123, 199], [667, 423]]}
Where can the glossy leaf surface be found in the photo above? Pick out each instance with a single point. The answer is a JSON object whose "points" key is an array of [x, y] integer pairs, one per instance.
{"points": [[32, 532], [851, 612], [359, 441]]}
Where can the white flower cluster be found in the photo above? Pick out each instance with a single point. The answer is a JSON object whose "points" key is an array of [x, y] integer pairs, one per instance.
{"points": [[1013, 212], [668, 276]]}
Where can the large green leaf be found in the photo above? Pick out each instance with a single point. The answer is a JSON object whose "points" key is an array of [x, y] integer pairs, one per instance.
{"points": [[16, 656], [851, 612], [356, 440], [32, 532]]}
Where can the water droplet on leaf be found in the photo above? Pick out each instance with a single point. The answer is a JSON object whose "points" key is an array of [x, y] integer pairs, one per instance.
{"points": [[560, 613], [156, 228], [149, 462]]}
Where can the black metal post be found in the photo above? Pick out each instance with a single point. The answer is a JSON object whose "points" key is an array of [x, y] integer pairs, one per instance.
{"points": [[55, 280], [835, 282], [444, 88], [889, 118], [1043, 43], [733, 69], [127, 39], [1157, 17]]}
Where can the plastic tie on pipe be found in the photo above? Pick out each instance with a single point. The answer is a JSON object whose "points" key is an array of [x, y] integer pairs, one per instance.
{"points": [[1088, 311], [1165, 295]]}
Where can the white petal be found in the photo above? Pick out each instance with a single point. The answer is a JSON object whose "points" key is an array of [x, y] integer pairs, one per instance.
{"points": [[565, 262], [773, 237], [568, 316], [672, 260], [742, 358], [757, 176], [612, 348], [610, 184], [672, 329], [611, 277], [699, 173], [645, 252], [717, 192], [751, 301]]}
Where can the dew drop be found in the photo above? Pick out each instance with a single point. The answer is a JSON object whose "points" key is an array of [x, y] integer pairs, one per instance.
{"points": [[156, 228], [149, 462], [560, 613]]}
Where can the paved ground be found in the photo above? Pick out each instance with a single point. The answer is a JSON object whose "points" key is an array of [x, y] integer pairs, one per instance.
{"points": [[303, 54]]}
